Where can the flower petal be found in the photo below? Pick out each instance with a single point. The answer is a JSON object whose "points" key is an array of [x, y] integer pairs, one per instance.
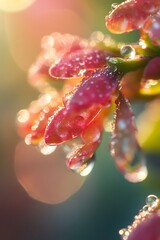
{"points": [[151, 71], [152, 28], [149, 229], [124, 147], [130, 15], [78, 62], [94, 90], [54, 47], [81, 159], [66, 124]]}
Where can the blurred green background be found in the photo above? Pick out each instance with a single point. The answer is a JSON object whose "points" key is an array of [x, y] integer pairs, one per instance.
{"points": [[106, 202]]}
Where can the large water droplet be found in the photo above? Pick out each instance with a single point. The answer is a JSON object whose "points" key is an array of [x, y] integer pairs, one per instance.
{"points": [[84, 168], [46, 149], [136, 171], [128, 51], [152, 201]]}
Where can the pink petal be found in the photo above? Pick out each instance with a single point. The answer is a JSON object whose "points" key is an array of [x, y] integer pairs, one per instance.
{"points": [[152, 28], [77, 62], [66, 124], [152, 70], [124, 146], [130, 15], [149, 229], [94, 90], [54, 47], [33, 121], [80, 158]]}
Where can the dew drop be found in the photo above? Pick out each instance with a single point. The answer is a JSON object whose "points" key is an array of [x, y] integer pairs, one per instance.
{"points": [[114, 6], [124, 233], [136, 171], [143, 44], [122, 124], [84, 168], [145, 209], [46, 149], [128, 51], [72, 145], [113, 60], [152, 201]]}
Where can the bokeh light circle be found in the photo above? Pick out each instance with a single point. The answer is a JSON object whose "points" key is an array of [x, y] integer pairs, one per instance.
{"points": [[15, 5], [45, 178]]}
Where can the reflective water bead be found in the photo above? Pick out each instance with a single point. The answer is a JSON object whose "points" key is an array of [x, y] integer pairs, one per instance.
{"points": [[85, 168], [137, 170], [128, 51], [144, 209], [124, 233], [46, 149], [143, 212], [114, 6], [124, 147], [152, 201]]}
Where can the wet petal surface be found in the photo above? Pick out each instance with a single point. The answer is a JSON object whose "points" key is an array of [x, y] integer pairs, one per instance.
{"points": [[78, 62], [94, 90], [130, 15], [124, 147]]}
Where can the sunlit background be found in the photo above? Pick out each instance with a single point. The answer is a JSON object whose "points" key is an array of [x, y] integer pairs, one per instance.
{"points": [[106, 202]]}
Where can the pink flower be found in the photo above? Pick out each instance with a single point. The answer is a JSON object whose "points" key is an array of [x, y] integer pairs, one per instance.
{"points": [[78, 87], [131, 15]]}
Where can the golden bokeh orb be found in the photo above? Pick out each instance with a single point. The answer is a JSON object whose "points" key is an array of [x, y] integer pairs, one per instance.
{"points": [[15, 5]]}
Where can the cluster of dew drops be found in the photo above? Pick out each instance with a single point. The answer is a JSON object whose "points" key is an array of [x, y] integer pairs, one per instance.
{"points": [[152, 204]]}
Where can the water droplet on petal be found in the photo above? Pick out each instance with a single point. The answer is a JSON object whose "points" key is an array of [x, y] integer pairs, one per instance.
{"points": [[114, 6], [152, 201], [128, 51], [124, 233], [85, 168], [137, 170], [145, 208], [46, 149], [124, 147]]}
